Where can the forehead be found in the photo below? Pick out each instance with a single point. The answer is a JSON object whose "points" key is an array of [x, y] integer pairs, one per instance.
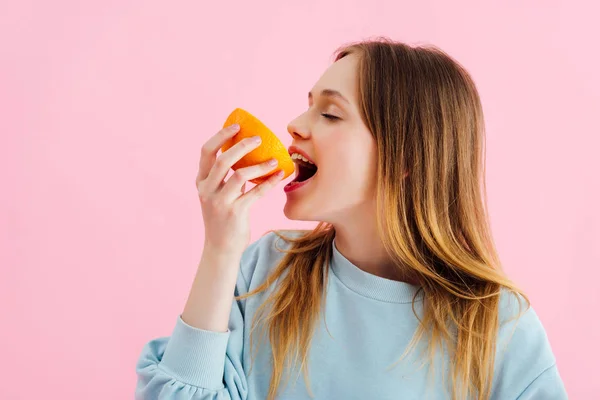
{"points": [[341, 76]]}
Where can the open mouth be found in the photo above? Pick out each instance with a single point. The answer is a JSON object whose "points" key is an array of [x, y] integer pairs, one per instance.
{"points": [[304, 170]]}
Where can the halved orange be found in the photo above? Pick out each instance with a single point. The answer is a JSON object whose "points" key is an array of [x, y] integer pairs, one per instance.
{"points": [[270, 147]]}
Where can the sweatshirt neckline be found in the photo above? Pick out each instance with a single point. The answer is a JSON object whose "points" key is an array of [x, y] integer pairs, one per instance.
{"points": [[369, 285]]}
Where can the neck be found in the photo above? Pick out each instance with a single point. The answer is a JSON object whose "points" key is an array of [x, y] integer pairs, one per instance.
{"points": [[357, 240]]}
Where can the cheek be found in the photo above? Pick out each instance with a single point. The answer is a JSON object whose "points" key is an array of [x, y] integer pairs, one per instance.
{"points": [[348, 161], [347, 171]]}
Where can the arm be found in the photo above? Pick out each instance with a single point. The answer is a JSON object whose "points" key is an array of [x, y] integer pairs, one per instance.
{"points": [[525, 364], [202, 360], [547, 386], [209, 304]]}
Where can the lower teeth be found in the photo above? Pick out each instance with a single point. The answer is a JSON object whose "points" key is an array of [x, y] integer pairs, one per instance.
{"points": [[293, 183]]}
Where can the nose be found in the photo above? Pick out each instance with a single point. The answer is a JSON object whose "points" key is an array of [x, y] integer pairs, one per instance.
{"points": [[298, 128]]}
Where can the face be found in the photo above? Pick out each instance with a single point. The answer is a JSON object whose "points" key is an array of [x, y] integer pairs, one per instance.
{"points": [[332, 133]]}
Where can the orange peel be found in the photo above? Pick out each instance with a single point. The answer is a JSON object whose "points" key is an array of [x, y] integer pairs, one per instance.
{"points": [[270, 147]]}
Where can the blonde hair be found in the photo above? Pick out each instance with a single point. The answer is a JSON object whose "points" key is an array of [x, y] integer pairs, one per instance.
{"points": [[425, 114]]}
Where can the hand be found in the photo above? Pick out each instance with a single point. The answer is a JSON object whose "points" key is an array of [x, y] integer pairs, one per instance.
{"points": [[225, 204]]}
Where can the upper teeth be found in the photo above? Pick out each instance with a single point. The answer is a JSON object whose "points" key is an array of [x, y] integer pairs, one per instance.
{"points": [[301, 157]]}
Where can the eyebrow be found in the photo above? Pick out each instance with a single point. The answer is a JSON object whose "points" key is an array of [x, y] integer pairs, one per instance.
{"points": [[330, 93]]}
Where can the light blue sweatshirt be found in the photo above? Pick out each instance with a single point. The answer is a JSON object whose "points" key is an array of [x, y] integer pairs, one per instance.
{"points": [[371, 322]]}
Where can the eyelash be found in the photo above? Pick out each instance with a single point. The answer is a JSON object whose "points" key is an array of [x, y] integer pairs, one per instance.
{"points": [[330, 117]]}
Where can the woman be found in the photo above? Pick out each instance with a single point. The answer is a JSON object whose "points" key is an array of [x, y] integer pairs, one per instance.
{"points": [[398, 293]]}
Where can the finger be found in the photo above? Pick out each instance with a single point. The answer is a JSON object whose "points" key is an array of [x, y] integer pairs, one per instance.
{"points": [[226, 160], [258, 191], [231, 190], [209, 151]]}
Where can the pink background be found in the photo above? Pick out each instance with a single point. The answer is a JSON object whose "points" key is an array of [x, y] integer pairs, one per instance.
{"points": [[104, 107]]}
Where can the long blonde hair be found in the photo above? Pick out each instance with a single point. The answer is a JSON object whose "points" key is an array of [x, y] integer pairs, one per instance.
{"points": [[425, 114]]}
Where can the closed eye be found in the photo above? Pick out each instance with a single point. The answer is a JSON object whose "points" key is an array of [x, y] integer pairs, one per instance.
{"points": [[329, 116]]}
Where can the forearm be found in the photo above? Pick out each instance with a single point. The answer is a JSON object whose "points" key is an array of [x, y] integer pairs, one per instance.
{"points": [[209, 303]]}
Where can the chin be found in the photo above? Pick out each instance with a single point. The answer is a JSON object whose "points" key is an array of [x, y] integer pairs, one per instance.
{"points": [[297, 212]]}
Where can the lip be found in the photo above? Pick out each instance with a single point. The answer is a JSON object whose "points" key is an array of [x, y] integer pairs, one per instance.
{"points": [[292, 187], [294, 149]]}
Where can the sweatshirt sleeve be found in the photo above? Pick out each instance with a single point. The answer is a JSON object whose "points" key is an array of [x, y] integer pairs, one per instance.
{"points": [[526, 367], [196, 364], [547, 386]]}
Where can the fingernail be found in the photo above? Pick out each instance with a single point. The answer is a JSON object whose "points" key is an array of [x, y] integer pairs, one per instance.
{"points": [[234, 127], [256, 139], [279, 174], [272, 162]]}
